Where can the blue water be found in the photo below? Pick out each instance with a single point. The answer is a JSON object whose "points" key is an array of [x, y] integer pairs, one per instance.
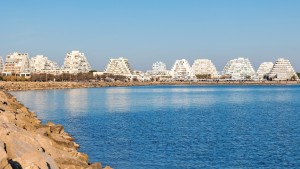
{"points": [[178, 126]]}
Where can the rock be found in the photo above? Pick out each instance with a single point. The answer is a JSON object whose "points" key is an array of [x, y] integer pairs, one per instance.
{"points": [[57, 129], [3, 156], [82, 157], [37, 160], [107, 167], [25, 143], [96, 166], [68, 137], [18, 143]]}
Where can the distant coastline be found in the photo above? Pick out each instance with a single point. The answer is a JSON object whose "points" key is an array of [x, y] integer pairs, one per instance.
{"points": [[18, 86]]}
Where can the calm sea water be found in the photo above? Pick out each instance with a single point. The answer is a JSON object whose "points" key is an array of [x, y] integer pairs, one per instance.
{"points": [[178, 126]]}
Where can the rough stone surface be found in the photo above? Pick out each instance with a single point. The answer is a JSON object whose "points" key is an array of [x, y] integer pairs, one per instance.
{"points": [[3, 156], [28, 144]]}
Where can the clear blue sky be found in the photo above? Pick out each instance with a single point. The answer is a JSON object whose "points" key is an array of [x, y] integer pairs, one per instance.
{"points": [[145, 31]]}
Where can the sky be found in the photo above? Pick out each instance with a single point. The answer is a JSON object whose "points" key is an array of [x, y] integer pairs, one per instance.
{"points": [[146, 31]]}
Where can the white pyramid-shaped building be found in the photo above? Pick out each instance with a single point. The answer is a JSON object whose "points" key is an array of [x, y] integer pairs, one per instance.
{"points": [[158, 69], [283, 70], [239, 69], [1, 64], [204, 67], [75, 62], [119, 66], [41, 64], [18, 64], [264, 70], [181, 70]]}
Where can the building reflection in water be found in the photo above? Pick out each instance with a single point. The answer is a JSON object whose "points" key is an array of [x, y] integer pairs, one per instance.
{"points": [[76, 101], [117, 99]]}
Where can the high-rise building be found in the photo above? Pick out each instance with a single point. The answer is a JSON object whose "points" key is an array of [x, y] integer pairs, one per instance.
{"points": [[204, 67], [17, 64], [239, 69], [264, 70], [181, 70], [41, 64], [119, 66], [75, 62], [283, 70]]}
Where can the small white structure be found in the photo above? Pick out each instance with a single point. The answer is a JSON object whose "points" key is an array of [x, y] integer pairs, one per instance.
{"points": [[119, 66], [204, 67], [283, 70], [159, 66], [239, 69], [75, 62], [181, 70], [41, 64], [264, 70], [98, 74], [17, 64]]}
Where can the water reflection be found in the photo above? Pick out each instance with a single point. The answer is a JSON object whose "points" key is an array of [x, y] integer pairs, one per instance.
{"points": [[179, 127], [76, 101], [117, 99]]}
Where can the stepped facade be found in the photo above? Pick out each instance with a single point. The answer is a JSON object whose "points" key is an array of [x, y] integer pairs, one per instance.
{"points": [[181, 70], [264, 70], [1, 64], [239, 69], [204, 67], [283, 70], [158, 69], [75, 62], [17, 64], [119, 66], [41, 64]]}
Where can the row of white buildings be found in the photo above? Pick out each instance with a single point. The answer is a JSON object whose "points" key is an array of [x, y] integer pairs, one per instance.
{"points": [[236, 69], [20, 64], [75, 62]]}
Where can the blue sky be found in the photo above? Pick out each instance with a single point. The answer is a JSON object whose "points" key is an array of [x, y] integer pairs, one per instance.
{"points": [[145, 31]]}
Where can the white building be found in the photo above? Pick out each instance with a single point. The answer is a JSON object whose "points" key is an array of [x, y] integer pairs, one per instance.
{"points": [[119, 66], [41, 64], [159, 69], [239, 69], [17, 64], [75, 62], [159, 66], [283, 70], [1, 64], [264, 70], [181, 70], [204, 67]]}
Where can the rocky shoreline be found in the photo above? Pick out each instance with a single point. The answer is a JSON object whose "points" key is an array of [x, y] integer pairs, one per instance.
{"points": [[15, 86], [27, 143]]}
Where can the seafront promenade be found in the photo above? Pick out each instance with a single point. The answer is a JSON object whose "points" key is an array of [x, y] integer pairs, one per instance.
{"points": [[15, 86]]}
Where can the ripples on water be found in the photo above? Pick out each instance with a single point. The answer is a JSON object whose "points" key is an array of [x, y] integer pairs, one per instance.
{"points": [[178, 126]]}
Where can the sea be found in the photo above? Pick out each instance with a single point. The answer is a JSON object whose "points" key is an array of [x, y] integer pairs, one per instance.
{"points": [[178, 127]]}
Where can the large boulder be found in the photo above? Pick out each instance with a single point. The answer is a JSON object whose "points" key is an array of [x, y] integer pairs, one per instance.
{"points": [[37, 160], [3, 156]]}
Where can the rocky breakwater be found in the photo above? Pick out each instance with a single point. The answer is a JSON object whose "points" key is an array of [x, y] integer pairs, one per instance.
{"points": [[26, 143], [14, 86]]}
